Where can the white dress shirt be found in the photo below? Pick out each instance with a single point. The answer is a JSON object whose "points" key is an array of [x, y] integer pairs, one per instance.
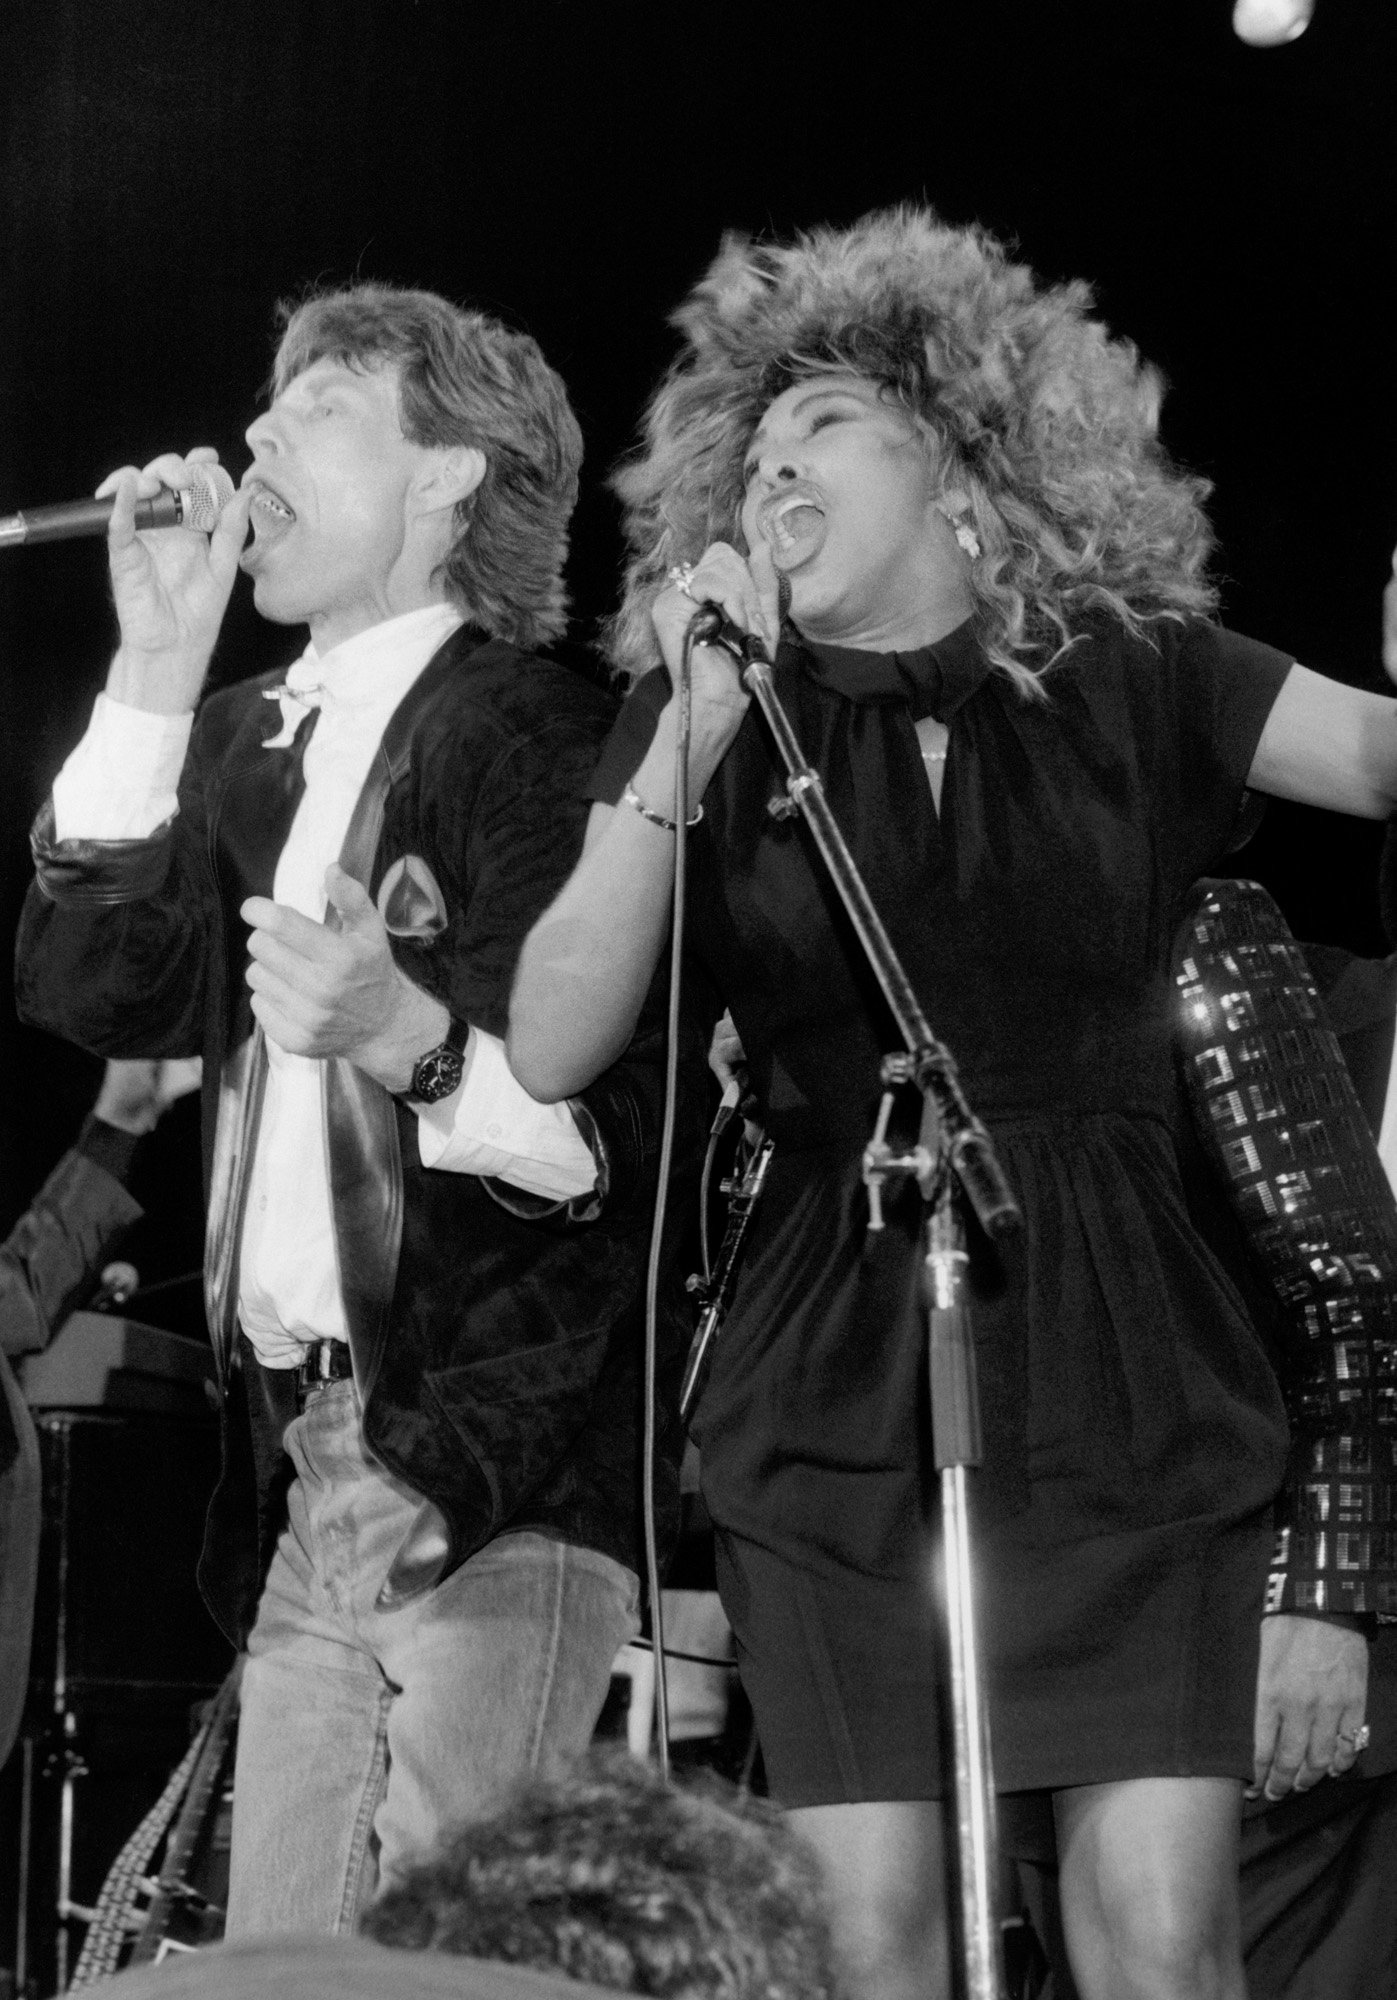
{"points": [[120, 784]]}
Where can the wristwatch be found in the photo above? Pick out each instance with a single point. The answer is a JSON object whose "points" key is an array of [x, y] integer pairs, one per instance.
{"points": [[439, 1072]]}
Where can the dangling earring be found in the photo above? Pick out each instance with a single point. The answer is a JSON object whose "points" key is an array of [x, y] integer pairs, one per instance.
{"points": [[966, 538]]}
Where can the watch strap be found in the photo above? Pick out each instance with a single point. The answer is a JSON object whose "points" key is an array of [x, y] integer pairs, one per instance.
{"points": [[438, 1071]]}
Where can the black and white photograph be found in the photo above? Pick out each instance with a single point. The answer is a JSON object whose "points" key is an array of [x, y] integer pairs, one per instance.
{"points": [[698, 1203]]}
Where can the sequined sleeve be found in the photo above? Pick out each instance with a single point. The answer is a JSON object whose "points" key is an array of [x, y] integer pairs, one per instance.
{"points": [[1279, 1120]]}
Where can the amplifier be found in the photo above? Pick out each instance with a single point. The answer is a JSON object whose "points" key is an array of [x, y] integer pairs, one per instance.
{"points": [[119, 1625], [100, 1361]]}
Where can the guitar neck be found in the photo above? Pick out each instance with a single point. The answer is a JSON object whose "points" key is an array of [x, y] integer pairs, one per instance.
{"points": [[191, 1820]]}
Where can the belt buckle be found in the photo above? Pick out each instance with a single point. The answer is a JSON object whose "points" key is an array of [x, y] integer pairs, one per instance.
{"points": [[316, 1370]]}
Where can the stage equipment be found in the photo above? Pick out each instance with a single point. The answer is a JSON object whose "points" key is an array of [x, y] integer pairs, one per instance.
{"points": [[711, 626], [123, 1647], [197, 505], [99, 1361], [713, 1288], [120, 1281], [1269, 24], [954, 1149], [179, 1914]]}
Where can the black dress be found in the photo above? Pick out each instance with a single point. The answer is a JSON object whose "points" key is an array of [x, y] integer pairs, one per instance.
{"points": [[1134, 1433]]}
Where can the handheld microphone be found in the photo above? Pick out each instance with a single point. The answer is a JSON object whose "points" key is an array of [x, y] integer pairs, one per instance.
{"points": [[197, 505]]}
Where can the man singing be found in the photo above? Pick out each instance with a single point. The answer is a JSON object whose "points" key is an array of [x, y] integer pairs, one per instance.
{"points": [[422, 1285]]}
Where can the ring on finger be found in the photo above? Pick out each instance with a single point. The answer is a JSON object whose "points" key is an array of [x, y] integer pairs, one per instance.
{"points": [[681, 575], [1359, 1738]]}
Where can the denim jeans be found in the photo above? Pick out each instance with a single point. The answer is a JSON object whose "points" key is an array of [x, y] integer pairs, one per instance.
{"points": [[364, 1732]]}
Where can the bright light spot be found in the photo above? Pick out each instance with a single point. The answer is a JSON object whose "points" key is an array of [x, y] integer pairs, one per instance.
{"points": [[1268, 24]]}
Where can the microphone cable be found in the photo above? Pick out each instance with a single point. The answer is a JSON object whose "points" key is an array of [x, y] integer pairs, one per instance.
{"points": [[708, 626], [657, 1227]]}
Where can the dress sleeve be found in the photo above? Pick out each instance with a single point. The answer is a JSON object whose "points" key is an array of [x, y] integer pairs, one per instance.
{"points": [[1217, 688], [630, 737], [1229, 685]]}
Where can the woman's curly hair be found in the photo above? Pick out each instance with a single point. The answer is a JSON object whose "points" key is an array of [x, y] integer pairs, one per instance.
{"points": [[1045, 423], [611, 1875], [466, 379]]}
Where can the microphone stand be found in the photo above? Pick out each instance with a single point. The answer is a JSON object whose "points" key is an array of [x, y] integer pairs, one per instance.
{"points": [[953, 1146]]}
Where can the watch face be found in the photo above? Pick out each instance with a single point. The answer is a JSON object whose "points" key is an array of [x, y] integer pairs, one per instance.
{"points": [[437, 1074]]}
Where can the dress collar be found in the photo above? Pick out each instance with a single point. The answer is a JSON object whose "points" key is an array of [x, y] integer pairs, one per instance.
{"points": [[936, 680]]}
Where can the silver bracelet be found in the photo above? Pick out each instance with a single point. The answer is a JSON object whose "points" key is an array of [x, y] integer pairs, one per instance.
{"points": [[631, 797]]}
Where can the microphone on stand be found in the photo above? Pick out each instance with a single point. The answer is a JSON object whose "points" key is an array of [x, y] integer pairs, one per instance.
{"points": [[711, 626], [197, 505]]}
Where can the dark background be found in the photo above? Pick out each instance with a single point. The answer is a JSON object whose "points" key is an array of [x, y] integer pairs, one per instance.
{"points": [[171, 167]]}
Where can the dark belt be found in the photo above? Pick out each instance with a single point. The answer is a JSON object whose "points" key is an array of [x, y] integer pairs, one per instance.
{"points": [[324, 1361]]}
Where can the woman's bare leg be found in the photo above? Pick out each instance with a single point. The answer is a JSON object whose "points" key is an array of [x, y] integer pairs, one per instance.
{"points": [[885, 1877], [1149, 1888]]}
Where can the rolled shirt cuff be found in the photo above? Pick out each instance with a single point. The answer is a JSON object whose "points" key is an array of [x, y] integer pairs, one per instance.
{"points": [[121, 781], [490, 1125]]}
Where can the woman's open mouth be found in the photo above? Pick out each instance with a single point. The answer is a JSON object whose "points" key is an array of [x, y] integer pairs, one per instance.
{"points": [[793, 525]]}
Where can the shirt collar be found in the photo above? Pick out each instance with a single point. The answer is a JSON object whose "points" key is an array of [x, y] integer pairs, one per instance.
{"points": [[935, 680], [365, 676]]}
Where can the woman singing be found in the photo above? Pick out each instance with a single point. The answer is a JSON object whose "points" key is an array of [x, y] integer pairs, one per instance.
{"points": [[999, 656]]}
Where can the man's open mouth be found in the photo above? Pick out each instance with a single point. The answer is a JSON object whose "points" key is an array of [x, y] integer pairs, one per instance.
{"points": [[270, 514]]}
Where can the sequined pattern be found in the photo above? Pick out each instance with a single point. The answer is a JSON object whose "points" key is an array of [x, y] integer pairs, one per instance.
{"points": [[1278, 1116]]}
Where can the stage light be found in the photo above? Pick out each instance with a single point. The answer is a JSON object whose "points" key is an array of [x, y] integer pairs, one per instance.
{"points": [[1267, 24]]}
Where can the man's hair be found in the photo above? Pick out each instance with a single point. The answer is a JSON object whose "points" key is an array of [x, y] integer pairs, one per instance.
{"points": [[466, 380], [1028, 405], [611, 1875]]}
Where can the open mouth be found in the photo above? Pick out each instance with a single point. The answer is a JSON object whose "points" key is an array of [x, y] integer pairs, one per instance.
{"points": [[270, 515], [793, 523], [271, 518]]}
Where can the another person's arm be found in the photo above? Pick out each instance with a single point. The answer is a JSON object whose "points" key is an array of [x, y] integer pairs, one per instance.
{"points": [[1313, 1682], [54, 1255], [587, 964]]}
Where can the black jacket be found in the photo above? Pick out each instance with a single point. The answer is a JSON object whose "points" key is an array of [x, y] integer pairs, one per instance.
{"points": [[496, 1339]]}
